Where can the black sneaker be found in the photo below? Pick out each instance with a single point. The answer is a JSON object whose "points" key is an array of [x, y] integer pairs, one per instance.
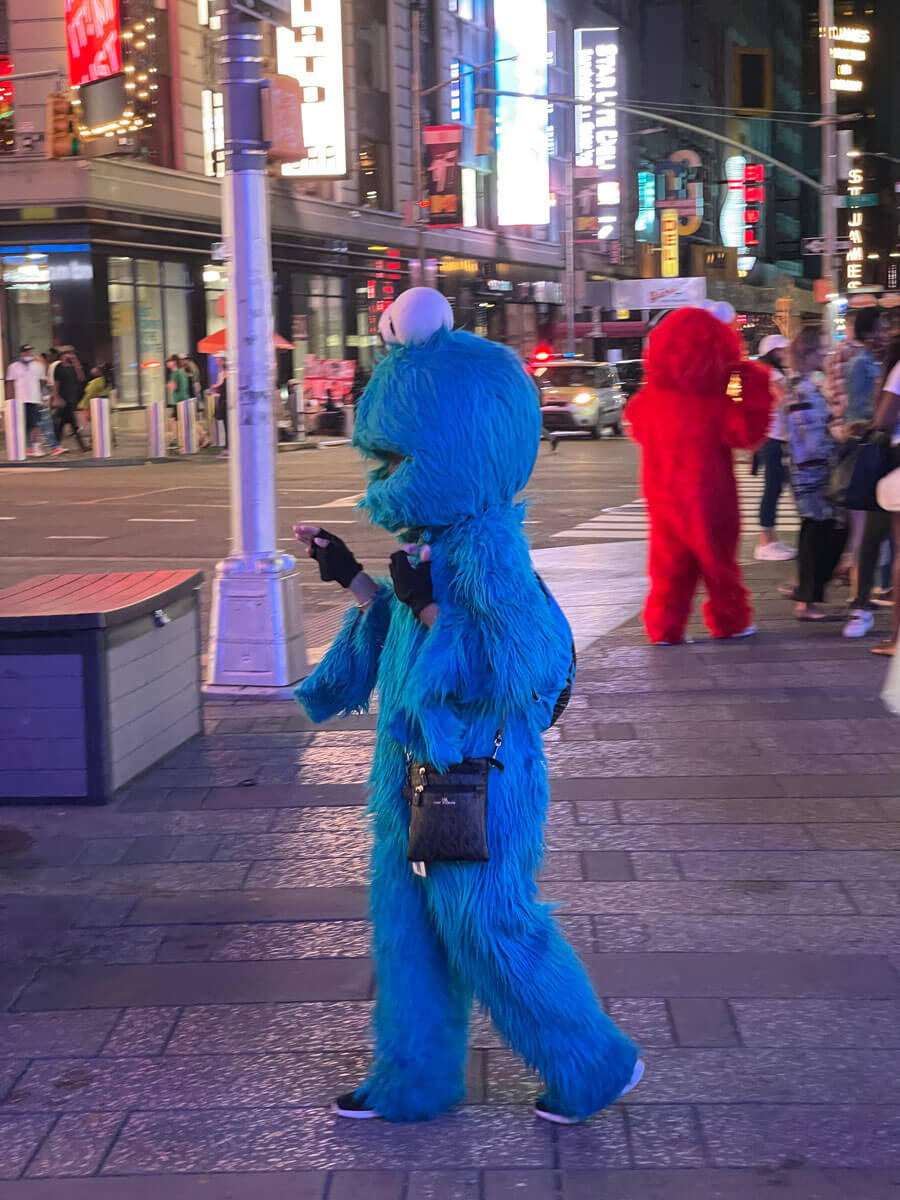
{"points": [[353, 1105], [542, 1110]]}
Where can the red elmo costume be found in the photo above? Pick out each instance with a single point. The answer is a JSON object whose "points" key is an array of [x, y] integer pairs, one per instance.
{"points": [[699, 403]]}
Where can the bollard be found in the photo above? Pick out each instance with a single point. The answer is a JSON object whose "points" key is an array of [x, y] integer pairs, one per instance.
{"points": [[14, 424], [349, 418], [187, 426], [101, 428], [297, 423], [158, 439], [216, 428]]}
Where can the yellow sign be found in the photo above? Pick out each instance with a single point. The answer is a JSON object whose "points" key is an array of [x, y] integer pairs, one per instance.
{"points": [[668, 225]]}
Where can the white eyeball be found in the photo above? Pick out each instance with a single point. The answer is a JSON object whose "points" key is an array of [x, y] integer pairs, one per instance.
{"points": [[414, 317]]}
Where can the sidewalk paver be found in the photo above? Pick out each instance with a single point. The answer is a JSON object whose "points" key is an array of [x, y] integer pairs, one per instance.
{"points": [[185, 976]]}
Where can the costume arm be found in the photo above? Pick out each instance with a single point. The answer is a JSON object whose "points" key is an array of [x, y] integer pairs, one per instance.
{"points": [[343, 681]]}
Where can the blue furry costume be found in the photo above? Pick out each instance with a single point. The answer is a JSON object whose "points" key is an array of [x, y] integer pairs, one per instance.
{"points": [[460, 416]]}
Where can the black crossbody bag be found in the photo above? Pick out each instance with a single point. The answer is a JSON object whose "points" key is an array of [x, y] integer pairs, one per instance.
{"points": [[448, 810]]}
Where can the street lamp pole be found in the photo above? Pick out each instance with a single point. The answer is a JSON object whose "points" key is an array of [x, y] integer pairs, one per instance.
{"points": [[256, 634], [418, 163]]}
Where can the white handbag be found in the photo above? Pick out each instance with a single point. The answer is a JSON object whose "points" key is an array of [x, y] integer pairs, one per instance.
{"points": [[887, 491]]}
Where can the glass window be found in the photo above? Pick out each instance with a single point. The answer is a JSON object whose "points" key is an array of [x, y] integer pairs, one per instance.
{"points": [[213, 122], [147, 271], [26, 280], [468, 10], [175, 274], [177, 321], [152, 351], [124, 342], [119, 270]]}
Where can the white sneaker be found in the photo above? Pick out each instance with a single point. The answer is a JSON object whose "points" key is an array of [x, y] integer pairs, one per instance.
{"points": [[748, 632], [35, 452], [774, 552], [547, 1114], [58, 450], [861, 622]]}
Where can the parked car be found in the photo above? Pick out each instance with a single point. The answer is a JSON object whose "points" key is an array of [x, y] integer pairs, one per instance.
{"points": [[579, 396], [631, 375]]}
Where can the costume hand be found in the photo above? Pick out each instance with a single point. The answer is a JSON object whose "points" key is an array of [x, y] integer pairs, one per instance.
{"points": [[336, 560], [412, 584]]}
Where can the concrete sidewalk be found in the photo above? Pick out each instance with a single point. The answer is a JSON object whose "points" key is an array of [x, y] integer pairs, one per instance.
{"points": [[186, 983]]}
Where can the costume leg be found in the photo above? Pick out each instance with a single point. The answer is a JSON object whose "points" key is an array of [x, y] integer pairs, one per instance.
{"points": [[510, 950], [727, 609], [422, 1006], [674, 572]]}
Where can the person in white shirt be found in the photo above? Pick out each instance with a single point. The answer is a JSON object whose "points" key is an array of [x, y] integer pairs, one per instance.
{"points": [[25, 379]]}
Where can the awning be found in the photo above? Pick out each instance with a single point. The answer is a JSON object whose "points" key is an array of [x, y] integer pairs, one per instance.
{"points": [[216, 343]]}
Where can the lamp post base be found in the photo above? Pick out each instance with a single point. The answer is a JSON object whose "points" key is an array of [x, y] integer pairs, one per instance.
{"points": [[256, 636]]}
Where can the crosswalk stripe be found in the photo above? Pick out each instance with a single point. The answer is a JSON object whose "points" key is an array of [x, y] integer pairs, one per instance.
{"points": [[629, 522]]}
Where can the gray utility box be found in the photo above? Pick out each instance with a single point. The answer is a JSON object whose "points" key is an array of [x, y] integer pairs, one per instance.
{"points": [[99, 680]]}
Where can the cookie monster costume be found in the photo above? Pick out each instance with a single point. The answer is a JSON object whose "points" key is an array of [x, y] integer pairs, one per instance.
{"points": [[699, 404], [453, 423]]}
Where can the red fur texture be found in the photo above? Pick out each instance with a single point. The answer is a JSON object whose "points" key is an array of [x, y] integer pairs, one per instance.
{"points": [[687, 426]]}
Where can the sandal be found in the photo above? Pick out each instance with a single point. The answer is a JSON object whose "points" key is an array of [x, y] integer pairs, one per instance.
{"points": [[886, 649]]}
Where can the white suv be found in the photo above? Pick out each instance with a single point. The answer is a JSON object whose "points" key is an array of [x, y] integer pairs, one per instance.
{"points": [[579, 396]]}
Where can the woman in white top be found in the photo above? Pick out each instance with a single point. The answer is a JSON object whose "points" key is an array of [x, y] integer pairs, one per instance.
{"points": [[770, 456], [887, 417]]}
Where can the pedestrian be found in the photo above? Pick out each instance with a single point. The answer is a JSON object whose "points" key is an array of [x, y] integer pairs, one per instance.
{"points": [[861, 376], [68, 384], [220, 393], [813, 449], [770, 456], [178, 388], [469, 660], [701, 400], [25, 381], [839, 363], [887, 419], [193, 373]]}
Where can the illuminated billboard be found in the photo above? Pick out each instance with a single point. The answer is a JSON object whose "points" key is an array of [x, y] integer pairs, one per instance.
{"points": [[523, 161], [312, 52], [597, 126], [92, 40]]}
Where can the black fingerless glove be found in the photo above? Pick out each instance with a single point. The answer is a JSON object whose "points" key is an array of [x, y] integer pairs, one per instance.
{"points": [[412, 585], [337, 563]]}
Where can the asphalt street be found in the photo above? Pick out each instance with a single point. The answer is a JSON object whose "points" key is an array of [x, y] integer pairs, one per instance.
{"points": [[55, 519]]}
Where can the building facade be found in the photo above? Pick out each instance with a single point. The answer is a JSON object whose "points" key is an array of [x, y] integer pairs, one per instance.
{"points": [[118, 249]]}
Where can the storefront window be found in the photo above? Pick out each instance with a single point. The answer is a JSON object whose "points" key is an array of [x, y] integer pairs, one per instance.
{"points": [[150, 333], [26, 281], [149, 305]]}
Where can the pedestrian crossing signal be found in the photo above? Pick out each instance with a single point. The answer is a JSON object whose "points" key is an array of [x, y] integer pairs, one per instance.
{"points": [[61, 133]]}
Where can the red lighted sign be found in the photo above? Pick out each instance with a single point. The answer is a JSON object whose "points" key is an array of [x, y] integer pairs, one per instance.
{"points": [[92, 40], [754, 198]]}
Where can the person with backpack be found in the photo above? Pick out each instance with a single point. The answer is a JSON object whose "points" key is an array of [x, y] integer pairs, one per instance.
{"points": [[471, 657]]}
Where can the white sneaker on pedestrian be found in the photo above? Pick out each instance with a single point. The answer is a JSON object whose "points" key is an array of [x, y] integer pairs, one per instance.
{"points": [[774, 552], [861, 622], [748, 632], [58, 450], [34, 452]]}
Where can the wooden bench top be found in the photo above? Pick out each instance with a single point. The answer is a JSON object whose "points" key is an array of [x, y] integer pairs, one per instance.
{"points": [[56, 602]]}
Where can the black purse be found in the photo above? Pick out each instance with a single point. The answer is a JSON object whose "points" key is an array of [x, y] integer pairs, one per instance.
{"points": [[448, 811], [861, 464]]}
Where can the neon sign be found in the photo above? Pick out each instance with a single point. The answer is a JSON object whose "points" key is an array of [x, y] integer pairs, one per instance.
{"points": [[312, 52], [92, 40], [857, 252], [523, 160], [847, 50], [597, 127]]}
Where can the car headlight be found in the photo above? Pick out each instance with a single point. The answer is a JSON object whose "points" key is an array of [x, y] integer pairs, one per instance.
{"points": [[583, 398]]}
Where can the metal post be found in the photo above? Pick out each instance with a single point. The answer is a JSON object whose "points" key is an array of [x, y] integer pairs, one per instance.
{"points": [[14, 426], [101, 429], [256, 635], [829, 158], [156, 429], [570, 257], [418, 157]]}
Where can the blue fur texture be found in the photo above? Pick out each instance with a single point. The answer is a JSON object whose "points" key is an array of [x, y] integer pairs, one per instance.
{"points": [[461, 417]]}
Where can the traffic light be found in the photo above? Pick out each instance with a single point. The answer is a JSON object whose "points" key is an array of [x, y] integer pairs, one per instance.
{"points": [[61, 134], [484, 131]]}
